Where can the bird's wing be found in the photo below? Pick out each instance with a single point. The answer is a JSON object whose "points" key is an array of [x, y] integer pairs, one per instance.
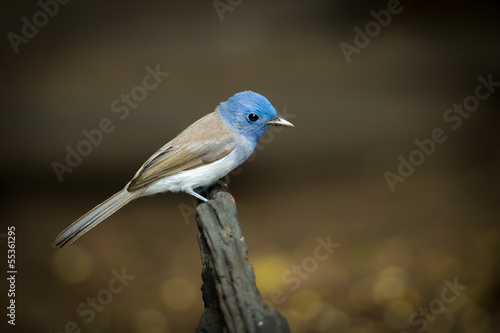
{"points": [[204, 142]]}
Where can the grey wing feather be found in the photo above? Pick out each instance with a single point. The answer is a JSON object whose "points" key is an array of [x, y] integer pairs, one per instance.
{"points": [[206, 141]]}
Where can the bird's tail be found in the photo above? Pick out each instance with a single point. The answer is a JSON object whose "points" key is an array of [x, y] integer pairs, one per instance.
{"points": [[94, 217]]}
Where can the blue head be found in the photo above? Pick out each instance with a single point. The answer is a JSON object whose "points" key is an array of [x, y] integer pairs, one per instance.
{"points": [[250, 114]]}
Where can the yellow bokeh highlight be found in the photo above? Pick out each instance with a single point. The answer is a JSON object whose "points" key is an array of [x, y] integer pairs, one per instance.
{"points": [[178, 293], [388, 288], [151, 321], [307, 303], [313, 310], [390, 284], [333, 321], [269, 272], [294, 320], [73, 265]]}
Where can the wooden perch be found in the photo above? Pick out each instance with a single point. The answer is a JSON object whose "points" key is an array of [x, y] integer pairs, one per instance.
{"points": [[233, 303]]}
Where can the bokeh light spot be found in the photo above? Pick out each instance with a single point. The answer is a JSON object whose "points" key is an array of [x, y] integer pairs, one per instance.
{"points": [[269, 272], [313, 310], [294, 319], [388, 288], [333, 321], [390, 284], [304, 302]]}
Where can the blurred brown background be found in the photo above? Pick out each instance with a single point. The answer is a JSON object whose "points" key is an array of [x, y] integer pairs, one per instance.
{"points": [[325, 178]]}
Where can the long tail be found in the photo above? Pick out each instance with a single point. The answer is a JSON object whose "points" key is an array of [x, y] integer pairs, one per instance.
{"points": [[94, 217]]}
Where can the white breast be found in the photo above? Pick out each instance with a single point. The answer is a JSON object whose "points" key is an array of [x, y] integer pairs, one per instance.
{"points": [[205, 175]]}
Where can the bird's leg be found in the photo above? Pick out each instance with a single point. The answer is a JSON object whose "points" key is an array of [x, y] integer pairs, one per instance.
{"points": [[210, 190], [194, 194]]}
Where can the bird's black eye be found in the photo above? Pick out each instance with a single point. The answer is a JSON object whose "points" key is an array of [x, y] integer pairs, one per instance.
{"points": [[253, 117]]}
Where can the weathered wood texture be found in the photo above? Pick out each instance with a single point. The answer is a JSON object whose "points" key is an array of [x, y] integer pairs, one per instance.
{"points": [[233, 303]]}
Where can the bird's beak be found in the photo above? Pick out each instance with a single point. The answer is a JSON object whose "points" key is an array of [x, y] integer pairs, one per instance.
{"points": [[280, 122]]}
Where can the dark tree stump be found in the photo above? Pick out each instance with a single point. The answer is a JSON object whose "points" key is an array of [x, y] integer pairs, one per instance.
{"points": [[232, 301]]}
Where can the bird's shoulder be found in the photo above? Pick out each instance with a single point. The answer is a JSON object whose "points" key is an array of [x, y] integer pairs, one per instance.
{"points": [[205, 141], [208, 129]]}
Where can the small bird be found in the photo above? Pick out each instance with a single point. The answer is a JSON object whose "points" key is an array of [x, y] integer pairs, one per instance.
{"points": [[200, 155]]}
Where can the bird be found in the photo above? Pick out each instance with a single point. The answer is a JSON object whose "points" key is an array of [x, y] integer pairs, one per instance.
{"points": [[200, 155]]}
